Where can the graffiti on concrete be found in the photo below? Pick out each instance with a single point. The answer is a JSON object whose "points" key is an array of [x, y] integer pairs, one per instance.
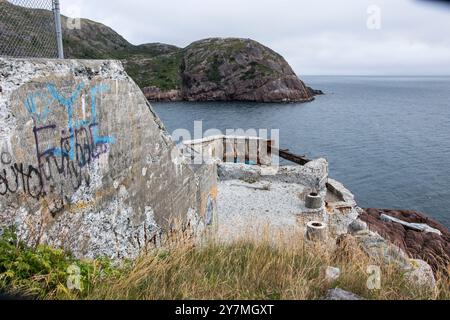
{"points": [[62, 148]]}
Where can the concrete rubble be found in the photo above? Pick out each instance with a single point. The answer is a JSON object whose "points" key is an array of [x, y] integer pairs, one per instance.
{"points": [[246, 194], [414, 226]]}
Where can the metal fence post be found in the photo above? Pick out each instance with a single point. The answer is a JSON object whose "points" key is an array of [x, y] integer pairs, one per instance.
{"points": [[59, 41]]}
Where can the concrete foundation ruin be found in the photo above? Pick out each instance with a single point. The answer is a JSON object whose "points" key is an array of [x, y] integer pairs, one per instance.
{"points": [[255, 192]]}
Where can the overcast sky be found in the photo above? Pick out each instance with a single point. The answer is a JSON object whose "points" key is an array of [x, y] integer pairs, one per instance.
{"points": [[320, 37]]}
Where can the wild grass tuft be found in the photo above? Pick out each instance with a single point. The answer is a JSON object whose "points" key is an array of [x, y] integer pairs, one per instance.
{"points": [[264, 267]]}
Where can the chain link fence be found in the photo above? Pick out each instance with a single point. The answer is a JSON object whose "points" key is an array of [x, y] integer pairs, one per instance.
{"points": [[28, 29]]}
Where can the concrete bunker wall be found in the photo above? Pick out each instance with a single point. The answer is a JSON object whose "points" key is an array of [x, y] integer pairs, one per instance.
{"points": [[85, 164], [238, 149]]}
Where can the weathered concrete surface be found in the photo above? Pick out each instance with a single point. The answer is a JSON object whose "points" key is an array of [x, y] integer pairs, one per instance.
{"points": [[421, 275], [253, 198], [313, 175], [206, 175], [248, 209], [229, 148], [341, 207], [85, 163]]}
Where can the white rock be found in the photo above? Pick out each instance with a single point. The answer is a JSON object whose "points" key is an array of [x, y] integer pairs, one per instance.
{"points": [[339, 294]]}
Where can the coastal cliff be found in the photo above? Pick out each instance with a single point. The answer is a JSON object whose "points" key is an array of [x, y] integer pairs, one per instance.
{"points": [[216, 69], [238, 69]]}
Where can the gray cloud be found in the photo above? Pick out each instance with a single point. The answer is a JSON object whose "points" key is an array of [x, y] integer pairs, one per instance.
{"points": [[316, 37]]}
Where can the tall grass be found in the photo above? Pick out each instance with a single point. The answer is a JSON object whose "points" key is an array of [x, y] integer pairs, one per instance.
{"points": [[267, 264], [264, 268]]}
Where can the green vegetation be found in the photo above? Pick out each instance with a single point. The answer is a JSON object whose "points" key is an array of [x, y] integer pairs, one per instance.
{"points": [[43, 272], [256, 70], [244, 269], [162, 71], [149, 65], [214, 72]]}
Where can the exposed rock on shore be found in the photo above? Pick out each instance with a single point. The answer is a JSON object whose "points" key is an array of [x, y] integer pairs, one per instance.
{"points": [[430, 247], [156, 94]]}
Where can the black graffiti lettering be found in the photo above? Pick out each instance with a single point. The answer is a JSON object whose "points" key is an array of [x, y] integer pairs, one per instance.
{"points": [[75, 175], [83, 146], [62, 168], [6, 158], [40, 154], [34, 187], [16, 179], [46, 169], [3, 183], [18, 167], [66, 150]]}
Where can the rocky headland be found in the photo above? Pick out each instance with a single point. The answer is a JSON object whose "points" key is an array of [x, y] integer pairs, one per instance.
{"points": [[221, 69], [238, 69]]}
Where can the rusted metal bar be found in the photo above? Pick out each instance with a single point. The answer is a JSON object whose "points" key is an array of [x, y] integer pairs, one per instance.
{"points": [[285, 154], [224, 143], [247, 150], [235, 146], [258, 156], [269, 148]]}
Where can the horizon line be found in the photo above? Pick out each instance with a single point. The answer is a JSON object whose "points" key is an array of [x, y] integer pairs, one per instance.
{"points": [[374, 75]]}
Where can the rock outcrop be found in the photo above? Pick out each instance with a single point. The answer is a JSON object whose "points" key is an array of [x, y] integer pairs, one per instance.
{"points": [[156, 94], [431, 247], [219, 69], [239, 69]]}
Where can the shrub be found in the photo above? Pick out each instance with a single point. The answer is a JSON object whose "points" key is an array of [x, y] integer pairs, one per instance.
{"points": [[43, 272]]}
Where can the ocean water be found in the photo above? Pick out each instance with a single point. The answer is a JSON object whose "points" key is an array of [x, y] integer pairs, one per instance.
{"points": [[386, 138]]}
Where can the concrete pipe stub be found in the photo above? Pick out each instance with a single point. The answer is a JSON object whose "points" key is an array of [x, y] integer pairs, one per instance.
{"points": [[316, 231], [313, 201]]}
